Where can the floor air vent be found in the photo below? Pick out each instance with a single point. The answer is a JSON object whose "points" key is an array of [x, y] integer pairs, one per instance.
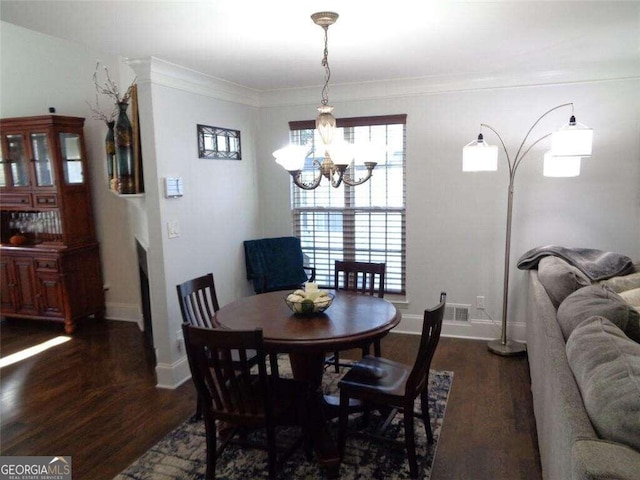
{"points": [[457, 312]]}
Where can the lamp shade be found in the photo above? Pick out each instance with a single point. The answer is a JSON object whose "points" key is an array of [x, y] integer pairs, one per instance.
{"points": [[478, 156], [560, 166], [572, 140], [292, 157]]}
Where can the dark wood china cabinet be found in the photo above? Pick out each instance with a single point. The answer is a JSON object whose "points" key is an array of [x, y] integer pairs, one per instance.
{"points": [[49, 255]]}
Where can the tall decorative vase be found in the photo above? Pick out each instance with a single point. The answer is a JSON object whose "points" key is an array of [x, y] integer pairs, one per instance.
{"points": [[124, 152], [110, 146]]}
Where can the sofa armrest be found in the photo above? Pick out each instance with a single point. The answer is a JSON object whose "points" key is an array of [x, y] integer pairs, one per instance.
{"points": [[604, 460]]}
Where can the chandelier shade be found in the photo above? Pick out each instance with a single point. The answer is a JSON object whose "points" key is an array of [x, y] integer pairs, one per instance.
{"points": [[292, 157], [479, 156]]}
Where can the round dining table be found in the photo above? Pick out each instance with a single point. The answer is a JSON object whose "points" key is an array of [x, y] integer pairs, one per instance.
{"points": [[352, 320]]}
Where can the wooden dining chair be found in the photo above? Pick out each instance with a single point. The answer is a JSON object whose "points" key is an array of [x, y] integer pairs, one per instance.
{"points": [[380, 382], [198, 305], [231, 392], [365, 278]]}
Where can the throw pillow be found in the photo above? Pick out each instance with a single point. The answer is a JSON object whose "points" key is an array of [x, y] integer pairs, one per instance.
{"points": [[560, 279], [606, 366], [598, 300]]}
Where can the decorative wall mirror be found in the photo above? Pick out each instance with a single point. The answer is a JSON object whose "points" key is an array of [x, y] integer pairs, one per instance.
{"points": [[218, 143]]}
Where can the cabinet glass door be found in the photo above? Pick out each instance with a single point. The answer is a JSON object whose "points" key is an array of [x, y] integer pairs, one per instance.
{"points": [[18, 160], [71, 158], [3, 175], [42, 159]]}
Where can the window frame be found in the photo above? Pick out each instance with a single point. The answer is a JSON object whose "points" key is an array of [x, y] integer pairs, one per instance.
{"points": [[396, 271]]}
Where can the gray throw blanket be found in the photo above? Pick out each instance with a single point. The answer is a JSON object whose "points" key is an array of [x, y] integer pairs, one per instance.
{"points": [[595, 264]]}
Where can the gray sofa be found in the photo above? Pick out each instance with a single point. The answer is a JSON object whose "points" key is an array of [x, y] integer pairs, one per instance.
{"points": [[569, 446]]}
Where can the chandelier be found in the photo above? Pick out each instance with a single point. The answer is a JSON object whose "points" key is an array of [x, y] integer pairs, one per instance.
{"points": [[338, 155]]}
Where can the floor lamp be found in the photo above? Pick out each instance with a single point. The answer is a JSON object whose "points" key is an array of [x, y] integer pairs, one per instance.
{"points": [[568, 145]]}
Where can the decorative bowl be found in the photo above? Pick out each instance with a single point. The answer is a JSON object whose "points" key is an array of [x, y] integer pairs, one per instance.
{"points": [[308, 306]]}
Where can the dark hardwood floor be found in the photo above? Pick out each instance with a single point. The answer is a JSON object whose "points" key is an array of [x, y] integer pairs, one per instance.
{"points": [[94, 398]]}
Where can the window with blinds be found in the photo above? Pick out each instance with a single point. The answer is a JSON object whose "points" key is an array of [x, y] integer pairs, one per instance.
{"points": [[365, 223]]}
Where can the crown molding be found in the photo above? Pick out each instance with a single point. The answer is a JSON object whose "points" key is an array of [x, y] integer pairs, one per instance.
{"points": [[161, 72], [408, 87]]}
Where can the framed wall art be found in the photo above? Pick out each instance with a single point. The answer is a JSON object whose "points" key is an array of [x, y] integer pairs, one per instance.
{"points": [[218, 143]]}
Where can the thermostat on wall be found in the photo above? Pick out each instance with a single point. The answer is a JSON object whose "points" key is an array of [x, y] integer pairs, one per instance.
{"points": [[173, 187]]}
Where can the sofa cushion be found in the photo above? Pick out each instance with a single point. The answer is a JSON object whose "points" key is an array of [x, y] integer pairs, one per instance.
{"points": [[622, 283], [603, 460], [632, 297], [606, 366], [598, 300], [560, 279]]}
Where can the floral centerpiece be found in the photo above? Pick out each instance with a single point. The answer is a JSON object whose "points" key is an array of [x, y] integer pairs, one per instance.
{"points": [[310, 300]]}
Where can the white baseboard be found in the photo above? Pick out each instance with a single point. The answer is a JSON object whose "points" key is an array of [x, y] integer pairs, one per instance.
{"points": [[173, 375], [476, 329], [125, 312]]}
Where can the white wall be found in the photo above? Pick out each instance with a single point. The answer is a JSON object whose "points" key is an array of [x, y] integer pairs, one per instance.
{"points": [[455, 220], [220, 204]]}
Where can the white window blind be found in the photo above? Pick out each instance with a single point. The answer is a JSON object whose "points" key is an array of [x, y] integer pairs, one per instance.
{"points": [[365, 223]]}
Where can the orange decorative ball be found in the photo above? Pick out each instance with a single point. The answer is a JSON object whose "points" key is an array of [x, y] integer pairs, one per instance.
{"points": [[18, 239]]}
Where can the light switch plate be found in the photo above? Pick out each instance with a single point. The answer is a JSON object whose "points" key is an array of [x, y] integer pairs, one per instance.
{"points": [[173, 229]]}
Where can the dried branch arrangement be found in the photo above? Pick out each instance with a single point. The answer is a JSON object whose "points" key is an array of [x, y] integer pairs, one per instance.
{"points": [[109, 88], [98, 114]]}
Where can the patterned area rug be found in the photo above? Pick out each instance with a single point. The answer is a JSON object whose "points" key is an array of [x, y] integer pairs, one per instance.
{"points": [[181, 455]]}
